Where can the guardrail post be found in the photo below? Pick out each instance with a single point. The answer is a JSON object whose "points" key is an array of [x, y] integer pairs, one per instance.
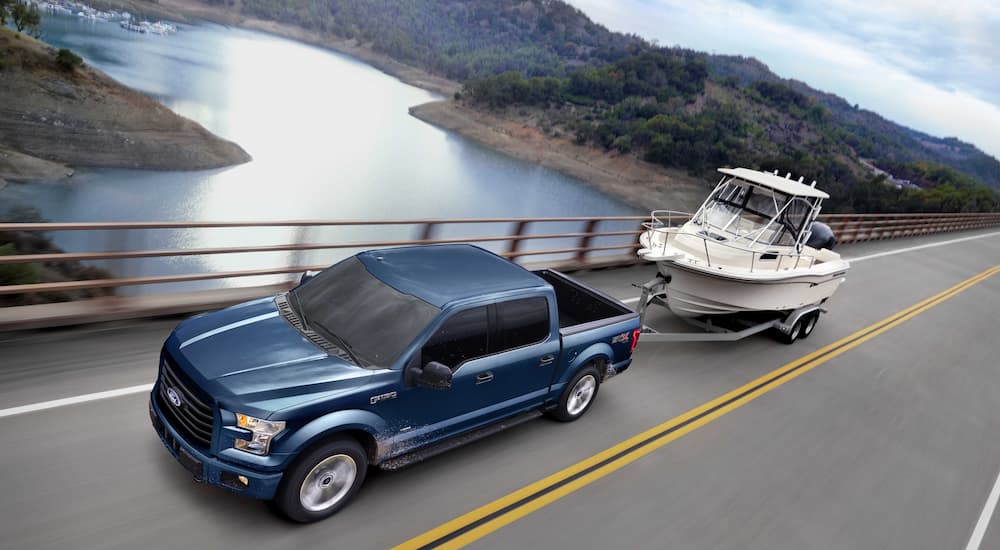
{"points": [[515, 241], [850, 234], [297, 257], [581, 255], [428, 231]]}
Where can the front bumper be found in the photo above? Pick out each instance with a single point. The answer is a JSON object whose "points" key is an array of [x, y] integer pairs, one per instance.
{"points": [[208, 469]]}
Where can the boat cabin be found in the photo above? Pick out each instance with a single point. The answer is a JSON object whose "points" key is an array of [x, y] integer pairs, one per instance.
{"points": [[759, 209]]}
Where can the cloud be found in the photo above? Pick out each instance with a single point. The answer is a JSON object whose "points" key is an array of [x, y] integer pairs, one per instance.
{"points": [[931, 65]]}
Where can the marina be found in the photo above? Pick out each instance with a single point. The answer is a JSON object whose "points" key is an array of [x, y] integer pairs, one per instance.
{"points": [[126, 20]]}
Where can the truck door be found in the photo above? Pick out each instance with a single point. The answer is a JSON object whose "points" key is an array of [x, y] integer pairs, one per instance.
{"points": [[429, 414], [525, 351], [503, 357]]}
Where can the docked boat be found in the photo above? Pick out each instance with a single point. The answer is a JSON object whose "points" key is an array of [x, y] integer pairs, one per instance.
{"points": [[747, 249]]}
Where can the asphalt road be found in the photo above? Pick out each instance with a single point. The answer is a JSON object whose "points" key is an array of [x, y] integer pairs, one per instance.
{"points": [[893, 443]]}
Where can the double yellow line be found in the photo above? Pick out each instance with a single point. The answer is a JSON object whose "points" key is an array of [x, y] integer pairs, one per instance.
{"points": [[505, 510]]}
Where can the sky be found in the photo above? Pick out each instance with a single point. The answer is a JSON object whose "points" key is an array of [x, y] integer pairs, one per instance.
{"points": [[932, 65]]}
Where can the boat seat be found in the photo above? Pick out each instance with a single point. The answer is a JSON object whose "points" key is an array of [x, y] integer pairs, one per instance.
{"points": [[825, 255]]}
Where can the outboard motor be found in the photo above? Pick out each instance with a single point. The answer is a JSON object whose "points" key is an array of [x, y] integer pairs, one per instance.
{"points": [[821, 236]]}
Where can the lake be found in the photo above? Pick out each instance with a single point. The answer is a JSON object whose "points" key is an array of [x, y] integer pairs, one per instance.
{"points": [[331, 138]]}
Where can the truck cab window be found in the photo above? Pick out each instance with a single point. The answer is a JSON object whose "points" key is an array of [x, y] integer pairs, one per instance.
{"points": [[523, 322], [462, 337]]}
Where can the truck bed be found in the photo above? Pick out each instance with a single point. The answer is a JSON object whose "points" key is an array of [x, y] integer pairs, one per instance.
{"points": [[581, 307]]}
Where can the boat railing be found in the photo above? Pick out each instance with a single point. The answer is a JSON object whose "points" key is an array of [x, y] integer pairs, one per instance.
{"points": [[733, 255], [667, 218]]}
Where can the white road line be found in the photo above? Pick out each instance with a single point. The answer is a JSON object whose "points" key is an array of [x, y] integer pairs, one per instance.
{"points": [[920, 247], [630, 300], [13, 411], [984, 518]]}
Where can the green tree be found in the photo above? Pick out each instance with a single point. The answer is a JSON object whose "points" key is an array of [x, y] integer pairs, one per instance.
{"points": [[26, 16], [5, 7]]}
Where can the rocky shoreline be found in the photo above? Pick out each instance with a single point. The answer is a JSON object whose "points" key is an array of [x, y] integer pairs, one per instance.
{"points": [[637, 183], [54, 117]]}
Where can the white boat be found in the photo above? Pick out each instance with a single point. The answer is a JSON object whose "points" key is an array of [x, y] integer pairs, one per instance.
{"points": [[747, 249]]}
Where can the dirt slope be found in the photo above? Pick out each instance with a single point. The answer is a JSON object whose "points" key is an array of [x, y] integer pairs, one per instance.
{"points": [[82, 117]]}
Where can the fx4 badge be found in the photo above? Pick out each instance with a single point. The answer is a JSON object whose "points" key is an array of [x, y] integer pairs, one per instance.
{"points": [[623, 337], [384, 397]]}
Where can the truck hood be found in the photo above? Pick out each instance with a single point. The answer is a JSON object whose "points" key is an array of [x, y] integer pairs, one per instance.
{"points": [[251, 355]]}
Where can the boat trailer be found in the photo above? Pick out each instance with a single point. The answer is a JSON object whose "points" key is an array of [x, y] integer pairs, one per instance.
{"points": [[787, 326]]}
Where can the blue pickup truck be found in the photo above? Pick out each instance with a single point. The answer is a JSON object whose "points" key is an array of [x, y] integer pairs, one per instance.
{"points": [[383, 359]]}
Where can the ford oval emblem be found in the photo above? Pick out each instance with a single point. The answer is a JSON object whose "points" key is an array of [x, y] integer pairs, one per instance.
{"points": [[174, 398]]}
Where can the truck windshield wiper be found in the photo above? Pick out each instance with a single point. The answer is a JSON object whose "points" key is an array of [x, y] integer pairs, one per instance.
{"points": [[344, 346]]}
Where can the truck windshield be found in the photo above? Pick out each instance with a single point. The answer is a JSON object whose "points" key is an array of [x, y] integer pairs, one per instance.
{"points": [[349, 305]]}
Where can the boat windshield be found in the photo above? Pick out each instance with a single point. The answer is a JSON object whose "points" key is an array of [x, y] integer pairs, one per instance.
{"points": [[738, 210]]}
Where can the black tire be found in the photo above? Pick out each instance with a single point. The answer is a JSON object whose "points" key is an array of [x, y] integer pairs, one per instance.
{"points": [[808, 324], [578, 395], [309, 491]]}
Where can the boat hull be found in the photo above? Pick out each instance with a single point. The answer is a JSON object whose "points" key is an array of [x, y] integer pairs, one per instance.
{"points": [[694, 292]]}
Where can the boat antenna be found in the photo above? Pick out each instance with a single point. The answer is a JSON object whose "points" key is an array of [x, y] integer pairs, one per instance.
{"points": [[801, 178], [788, 176], [813, 184]]}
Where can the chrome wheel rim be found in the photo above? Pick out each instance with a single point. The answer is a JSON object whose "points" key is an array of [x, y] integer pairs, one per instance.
{"points": [[328, 482], [581, 395]]}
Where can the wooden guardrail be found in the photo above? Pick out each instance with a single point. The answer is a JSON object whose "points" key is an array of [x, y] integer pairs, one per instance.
{"points": [[507, 237], [850, 228], [590, 244]]}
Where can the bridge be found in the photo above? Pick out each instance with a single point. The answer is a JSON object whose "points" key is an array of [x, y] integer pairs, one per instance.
{"points": [[879, 431]]}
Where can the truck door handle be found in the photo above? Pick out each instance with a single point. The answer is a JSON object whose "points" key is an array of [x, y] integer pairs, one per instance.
{"points": [[484, 377], [547, 360]]}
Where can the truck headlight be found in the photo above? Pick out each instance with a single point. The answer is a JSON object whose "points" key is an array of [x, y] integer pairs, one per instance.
{"points": [[263, 432]]}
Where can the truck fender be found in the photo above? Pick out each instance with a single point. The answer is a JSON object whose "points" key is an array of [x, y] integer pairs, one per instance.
{"points": [[596, 351], [353, 420]]}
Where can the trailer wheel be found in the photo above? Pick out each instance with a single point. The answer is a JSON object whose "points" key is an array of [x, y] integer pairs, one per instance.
{"points": [[792, 335], [321, 481], [808, 324], [578, 395]]}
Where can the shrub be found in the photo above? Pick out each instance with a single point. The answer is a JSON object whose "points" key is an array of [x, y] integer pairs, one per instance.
{"points": [[68, 60]]}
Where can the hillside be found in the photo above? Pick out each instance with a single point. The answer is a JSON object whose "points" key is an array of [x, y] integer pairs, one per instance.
{"points": [[872, 136], [545, 65], [54, 114]]}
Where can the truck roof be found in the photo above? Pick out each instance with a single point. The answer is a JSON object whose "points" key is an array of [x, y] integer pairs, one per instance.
{"points": [[441, 274]]}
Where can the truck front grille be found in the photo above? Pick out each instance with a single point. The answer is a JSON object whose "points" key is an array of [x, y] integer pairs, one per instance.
{"points": [[193, 417]]}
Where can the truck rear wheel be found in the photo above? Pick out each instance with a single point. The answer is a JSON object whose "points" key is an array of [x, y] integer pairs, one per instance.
{"points": [[578, 395], [321, 481]]}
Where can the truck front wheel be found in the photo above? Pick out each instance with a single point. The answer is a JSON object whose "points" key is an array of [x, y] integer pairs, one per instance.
{"points": [[321, 481], [578, 395]]}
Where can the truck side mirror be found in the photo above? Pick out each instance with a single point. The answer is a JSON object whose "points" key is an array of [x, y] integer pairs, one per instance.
{"points": [[433, 375], [306, 276]]}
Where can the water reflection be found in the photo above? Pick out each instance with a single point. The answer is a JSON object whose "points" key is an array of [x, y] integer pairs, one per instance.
{"points": [[330, 138]]}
